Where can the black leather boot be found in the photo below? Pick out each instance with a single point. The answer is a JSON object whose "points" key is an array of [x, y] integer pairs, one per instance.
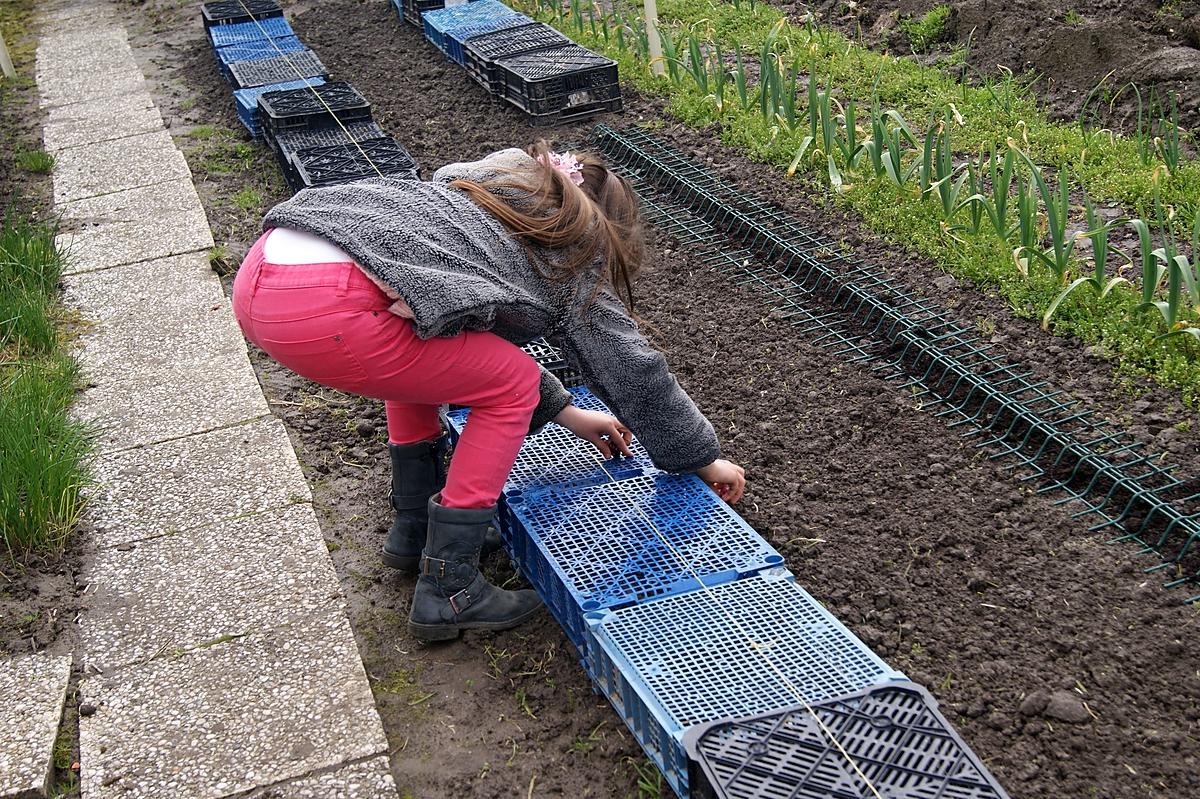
{"points": [[452, 595], [418, 472]]}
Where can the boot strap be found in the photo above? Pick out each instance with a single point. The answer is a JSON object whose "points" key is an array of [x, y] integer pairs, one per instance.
{"points": [[462, 600], [434, 567]]}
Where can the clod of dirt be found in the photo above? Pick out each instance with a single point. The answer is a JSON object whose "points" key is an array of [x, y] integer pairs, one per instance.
{"points": [[1066, 706], [1035, 703]]}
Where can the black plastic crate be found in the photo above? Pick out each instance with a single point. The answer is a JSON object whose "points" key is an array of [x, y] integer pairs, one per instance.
{"points": [[557, 71], [228, 12], [552, 360], [482, 51], [345, 163], [894, 732], [289, 143], [413, 9], [568, 112], [299, 65], [305, 110]]}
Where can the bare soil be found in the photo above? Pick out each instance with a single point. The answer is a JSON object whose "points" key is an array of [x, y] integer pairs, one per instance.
{"points": [[1067, 47], [991, 595]]}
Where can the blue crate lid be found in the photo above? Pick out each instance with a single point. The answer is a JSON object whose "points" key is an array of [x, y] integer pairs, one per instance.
{"points": [[456, 35], [241, 32], [247, 101], [894, 733], [437, 21], [554, 457], [258, 49], [640, 538], [690, 663]]}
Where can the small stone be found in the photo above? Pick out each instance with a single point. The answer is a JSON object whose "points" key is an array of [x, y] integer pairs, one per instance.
{"points": [[126, 547], [87, 709], [937, 469], [946, 283], [1034, 703], [1066, 706]]}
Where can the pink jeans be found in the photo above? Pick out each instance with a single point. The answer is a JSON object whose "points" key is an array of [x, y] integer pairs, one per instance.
{"points": [[329, 323]]}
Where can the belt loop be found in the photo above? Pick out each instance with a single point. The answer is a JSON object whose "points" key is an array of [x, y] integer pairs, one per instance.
{"points": [[344, 280]]}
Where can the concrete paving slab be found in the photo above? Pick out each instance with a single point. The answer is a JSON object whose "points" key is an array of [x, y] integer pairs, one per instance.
{"points": [[272, 568], [194, 482], [65, 88], [161, 313], [142, 406], [117, 165], [135, 225], [101, 120], [32, 692], [367, 780], [231, 717], [83, 48], [57, 10]]}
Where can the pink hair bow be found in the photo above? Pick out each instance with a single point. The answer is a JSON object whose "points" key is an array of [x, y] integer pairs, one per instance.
{"points": [[566, 163]]}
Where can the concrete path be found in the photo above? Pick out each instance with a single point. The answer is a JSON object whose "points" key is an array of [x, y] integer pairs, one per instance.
{"points": [[217, 658]]}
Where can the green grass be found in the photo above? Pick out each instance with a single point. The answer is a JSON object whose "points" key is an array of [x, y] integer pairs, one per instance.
{"points": [[1073, 18], [36, 161], [44, 453], [249, 198], [928, 29], [1109, 168]]}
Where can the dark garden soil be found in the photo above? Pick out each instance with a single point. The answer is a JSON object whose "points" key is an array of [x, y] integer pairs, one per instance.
{"points": [[1069, 47], [1065, 668]]}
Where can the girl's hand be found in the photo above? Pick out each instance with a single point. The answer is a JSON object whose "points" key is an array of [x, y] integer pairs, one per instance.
{"points": [[727, 479], [606, 432]]}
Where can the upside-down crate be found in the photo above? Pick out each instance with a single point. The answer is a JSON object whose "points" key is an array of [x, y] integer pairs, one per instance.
{"points": [[305, 110], [299, 65], [228, 12], [894, 733], [737, 649], [413, 9], [568, 82], [555, 458], [551, 359], [288, 143], [438, 20], [629, 541], [457, 35], [247, 101], [480, 52], [242, 32], [345, 163], [255, 51]]}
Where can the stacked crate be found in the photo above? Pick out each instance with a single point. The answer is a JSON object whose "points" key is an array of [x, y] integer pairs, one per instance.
{"points": [[523, 63], [687, 621], [320, 130]]}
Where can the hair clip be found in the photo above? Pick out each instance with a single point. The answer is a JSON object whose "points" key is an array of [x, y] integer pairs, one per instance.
{"points": [[566, 163]]}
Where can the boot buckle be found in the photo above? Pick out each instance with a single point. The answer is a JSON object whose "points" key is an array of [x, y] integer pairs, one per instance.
{"points": [[428, 570], [461, 601]]}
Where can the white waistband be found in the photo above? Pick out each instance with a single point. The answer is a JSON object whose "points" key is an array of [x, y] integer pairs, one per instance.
{"points": [[284, 246]]}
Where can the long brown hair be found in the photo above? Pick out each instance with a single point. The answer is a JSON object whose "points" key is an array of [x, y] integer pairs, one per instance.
{"points": [[597, 221]]}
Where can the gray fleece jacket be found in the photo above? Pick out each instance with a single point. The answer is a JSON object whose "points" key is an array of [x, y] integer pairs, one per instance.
{"points": [[459, 268]]}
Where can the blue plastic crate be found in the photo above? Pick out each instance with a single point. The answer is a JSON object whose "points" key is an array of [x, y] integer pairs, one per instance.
{"points": [[438, 20], [257, 50], [247, 101], [625, 542], [894, 733], [554, 458], [457, 35], [673, 663], [242, 32]]}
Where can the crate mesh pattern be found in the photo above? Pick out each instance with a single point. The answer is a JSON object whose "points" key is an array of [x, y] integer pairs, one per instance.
{"points": [[438, 21], [895, 734], [700, 667], [343, 163], [637, 539], [226, 12], [247, 101], [481, 52], [258, 50], [290, 110], [290, 66], [555, 457], [295, 140], [458, 34], [242, 32]]}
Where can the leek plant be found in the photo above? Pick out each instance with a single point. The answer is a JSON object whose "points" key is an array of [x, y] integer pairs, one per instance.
{"points": [[1057, 206], [1098, 281]]}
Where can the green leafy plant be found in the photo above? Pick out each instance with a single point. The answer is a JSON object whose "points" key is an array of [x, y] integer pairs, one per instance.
{"points": [[927, 30], [37, 161], [1098, 281], [1057, 205]]}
